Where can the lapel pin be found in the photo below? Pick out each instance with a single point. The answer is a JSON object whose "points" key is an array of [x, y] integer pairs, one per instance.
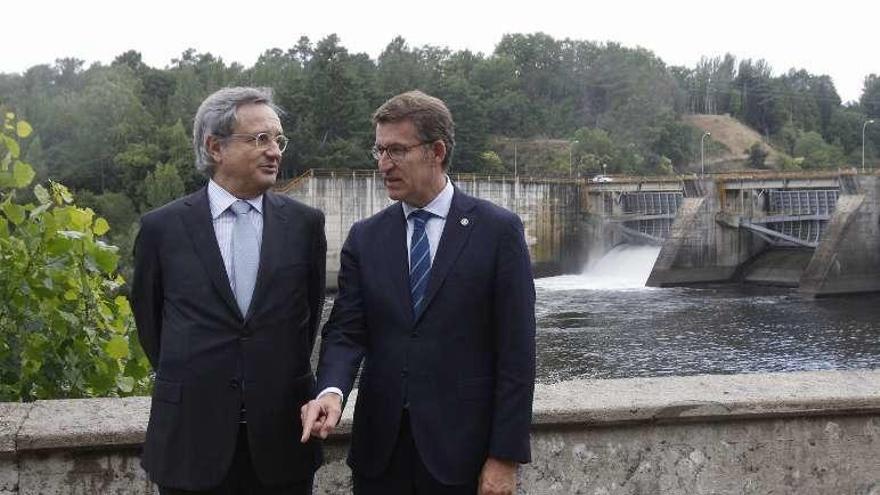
{"points": [[464, 222]]}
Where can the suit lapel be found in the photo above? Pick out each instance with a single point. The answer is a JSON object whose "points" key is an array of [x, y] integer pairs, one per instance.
{"points": [[200, 227], [392, 242], [459, 224], [271, 248]]}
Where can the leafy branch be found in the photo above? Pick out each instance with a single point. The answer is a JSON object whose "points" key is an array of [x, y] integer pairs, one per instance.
{"points": [[65, 330]]}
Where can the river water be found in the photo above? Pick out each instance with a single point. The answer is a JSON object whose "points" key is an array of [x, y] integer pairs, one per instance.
{"points": [[604, 323]]}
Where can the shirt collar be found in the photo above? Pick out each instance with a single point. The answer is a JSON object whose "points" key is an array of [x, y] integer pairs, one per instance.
{"points": [[439, 206], [220, 199]]}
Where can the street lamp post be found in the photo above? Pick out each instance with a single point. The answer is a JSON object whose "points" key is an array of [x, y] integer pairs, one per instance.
{"points": [[702, 166], [869, 121], [570, 146], [514, 160]]}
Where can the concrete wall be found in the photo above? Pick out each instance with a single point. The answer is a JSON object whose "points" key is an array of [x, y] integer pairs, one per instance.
{"points": [[549, 210], [848, 257], [792, 433]]}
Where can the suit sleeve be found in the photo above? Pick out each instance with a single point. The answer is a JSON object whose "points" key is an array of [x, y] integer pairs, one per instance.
{"points": [[146, 292], [514, 332], [344, 337], [317, 277]]}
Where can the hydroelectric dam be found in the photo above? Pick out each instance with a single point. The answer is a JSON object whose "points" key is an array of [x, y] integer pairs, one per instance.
{"points": [[817, 231]]}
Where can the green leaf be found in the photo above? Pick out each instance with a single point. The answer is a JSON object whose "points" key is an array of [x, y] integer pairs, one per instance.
{"points": [[40, 210], [10, 115], [125, 383], [123, 306], [117, 347], [105, 310], [80, 219], [71, 234], [106, 259], [70, 318], [22, 174], [15, 213], [12, 146], [58, 246], [71, 295], [23, 129], [42, 194], [101, 226], [4, 228], [60, 193]]}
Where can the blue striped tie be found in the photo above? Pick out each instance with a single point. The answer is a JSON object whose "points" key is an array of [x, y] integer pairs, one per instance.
{"points": [[419, 261]]}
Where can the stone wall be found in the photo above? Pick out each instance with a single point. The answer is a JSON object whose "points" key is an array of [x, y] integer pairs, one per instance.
{"points": [[789, 433]]}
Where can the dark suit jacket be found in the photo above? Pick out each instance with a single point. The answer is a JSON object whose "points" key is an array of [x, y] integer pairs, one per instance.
{"points": [[466, 367], [209, 359]]}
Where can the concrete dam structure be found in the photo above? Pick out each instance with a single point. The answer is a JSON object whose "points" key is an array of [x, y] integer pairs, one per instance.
{"points": [[549, 209], [817, 231]]}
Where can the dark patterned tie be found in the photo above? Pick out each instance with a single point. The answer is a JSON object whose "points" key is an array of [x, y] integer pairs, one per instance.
{"points": [[419, 261]]}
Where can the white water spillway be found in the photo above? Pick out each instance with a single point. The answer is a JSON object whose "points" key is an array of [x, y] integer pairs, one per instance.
{"points": [[624, 267]]}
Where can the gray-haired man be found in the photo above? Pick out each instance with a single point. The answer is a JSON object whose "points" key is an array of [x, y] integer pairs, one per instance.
{"points": [[227, 294]]}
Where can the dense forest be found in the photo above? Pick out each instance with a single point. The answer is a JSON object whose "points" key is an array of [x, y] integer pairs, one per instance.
{"points": [[119, 134]]}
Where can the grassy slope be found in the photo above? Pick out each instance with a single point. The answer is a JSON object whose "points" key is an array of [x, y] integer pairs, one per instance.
{"points": [[735, 136], [726, 149]]}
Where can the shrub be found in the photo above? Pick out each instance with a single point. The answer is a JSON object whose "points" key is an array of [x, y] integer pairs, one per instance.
{"points": [[64, 329]]}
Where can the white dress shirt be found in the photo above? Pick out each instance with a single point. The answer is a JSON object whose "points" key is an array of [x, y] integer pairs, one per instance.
{"points": [[439, 206], [224, 219]]}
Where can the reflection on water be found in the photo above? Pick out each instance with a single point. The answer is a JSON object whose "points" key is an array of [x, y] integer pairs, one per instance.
{"points": [[598, 326]]}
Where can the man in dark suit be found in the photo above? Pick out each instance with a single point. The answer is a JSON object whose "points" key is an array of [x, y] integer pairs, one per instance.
{"points": [[436, 296], [227, 295]]}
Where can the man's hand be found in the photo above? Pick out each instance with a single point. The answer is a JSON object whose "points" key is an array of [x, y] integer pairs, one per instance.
{"points": [[498, 477], [319, 416]]}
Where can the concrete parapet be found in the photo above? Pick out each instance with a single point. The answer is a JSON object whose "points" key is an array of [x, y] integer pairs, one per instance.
{"points": [[804, 433]]}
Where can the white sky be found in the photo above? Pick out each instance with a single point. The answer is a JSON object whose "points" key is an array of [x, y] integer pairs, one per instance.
{"points": [[838, 38]]}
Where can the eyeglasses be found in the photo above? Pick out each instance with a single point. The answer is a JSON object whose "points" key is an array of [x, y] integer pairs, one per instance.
{"points": [[396, 152], [263, 139]]}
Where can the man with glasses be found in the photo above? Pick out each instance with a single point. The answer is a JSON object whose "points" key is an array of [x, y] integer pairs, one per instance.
{"points": [[436, 297], [227, 295]]}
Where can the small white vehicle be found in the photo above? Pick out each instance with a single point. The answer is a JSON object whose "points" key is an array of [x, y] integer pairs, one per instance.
{"points": [[601, 178]]}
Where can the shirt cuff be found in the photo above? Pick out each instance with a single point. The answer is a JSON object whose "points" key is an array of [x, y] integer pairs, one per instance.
{"points": [[331, 390]]}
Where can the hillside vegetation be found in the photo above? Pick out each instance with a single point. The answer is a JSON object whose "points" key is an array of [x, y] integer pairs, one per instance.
{"points": [[119, 134], [728, 146]]}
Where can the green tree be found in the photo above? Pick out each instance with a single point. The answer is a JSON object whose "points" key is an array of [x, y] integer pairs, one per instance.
{"points": [[64, 329], [490, 163], [757, 155], [162, 185], [870, 100], [593, 149], [816, 153]]}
